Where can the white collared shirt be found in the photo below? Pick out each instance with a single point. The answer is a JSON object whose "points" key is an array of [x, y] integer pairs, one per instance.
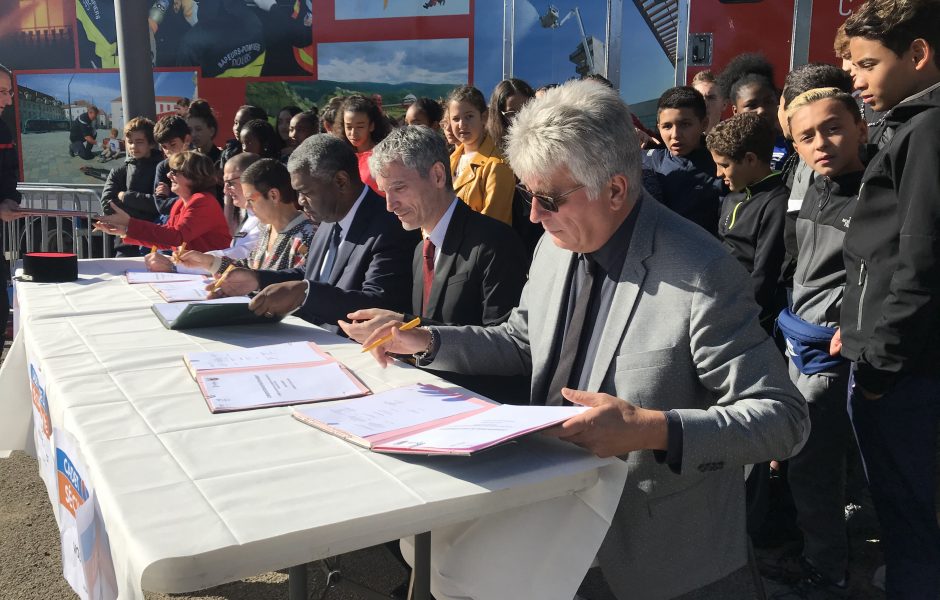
{"points": [[345, 223], [439, 232]]}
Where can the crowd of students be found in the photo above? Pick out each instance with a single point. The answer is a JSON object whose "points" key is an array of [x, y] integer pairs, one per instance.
{"points": [[826, 191]]}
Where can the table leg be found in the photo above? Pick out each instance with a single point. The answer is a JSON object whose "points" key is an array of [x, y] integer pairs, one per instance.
{"points": [[421, 590], [297, 582]]}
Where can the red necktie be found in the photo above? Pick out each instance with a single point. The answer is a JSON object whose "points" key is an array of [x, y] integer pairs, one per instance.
{"points": [[428, 271]]}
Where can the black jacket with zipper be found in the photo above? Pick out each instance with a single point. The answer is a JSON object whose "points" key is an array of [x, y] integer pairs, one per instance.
{"points": [[135, 178], [891, 311], [9, 164], [751, 228]]}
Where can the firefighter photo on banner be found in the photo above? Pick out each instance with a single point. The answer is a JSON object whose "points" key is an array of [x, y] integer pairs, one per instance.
{"points": [[223, 38]]}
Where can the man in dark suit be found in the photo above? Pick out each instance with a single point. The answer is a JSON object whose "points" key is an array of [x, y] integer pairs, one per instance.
{"points": [[359, 258], [470, 268]]}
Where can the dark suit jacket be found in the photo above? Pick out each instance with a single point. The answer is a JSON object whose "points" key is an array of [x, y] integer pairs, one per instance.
{"points": [[478, 279], [372, 268], [479, 275]]}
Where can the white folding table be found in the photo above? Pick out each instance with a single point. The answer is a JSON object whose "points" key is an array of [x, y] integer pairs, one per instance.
{"points": [[192, 499]]}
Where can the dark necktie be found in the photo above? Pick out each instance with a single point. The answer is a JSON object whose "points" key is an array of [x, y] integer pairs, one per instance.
{"points": [[329, 259], [584, 279], [428, 273]]}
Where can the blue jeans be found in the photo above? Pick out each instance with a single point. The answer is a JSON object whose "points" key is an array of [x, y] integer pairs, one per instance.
{"points": [[897, 436]]}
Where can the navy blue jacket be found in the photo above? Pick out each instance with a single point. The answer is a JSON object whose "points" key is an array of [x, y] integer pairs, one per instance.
{"points": [[689, 184], [372, 268]]}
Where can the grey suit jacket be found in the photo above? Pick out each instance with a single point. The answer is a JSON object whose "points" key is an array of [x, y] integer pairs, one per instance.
{"points": [[372, 268], [683, 334]]}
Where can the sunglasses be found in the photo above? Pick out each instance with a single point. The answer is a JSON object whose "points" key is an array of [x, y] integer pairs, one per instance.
{"points": [[549, 203]]}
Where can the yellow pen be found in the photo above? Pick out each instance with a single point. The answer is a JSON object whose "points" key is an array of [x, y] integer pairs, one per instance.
{"points": [[153, 249], [409, 325], [179, 252], [218, 282]]}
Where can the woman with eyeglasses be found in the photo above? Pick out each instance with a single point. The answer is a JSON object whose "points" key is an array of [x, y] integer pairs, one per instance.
{"points": [[286, 232], [507, 99], [242, 222], [482, 179], [196, 218]]}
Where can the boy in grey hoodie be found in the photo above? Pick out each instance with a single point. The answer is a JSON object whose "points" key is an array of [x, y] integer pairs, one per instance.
{"points": [[828, 132]]}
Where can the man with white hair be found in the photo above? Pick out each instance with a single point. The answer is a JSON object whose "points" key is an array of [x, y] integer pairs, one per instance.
{"points": [[641, 316]]}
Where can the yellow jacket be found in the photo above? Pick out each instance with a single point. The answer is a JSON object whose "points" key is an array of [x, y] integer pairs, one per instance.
{"points": [[487, 184]]}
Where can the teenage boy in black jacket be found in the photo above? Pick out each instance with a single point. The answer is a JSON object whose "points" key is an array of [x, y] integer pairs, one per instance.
{"points": [[891, 311], [752, 215], [130, 186], [9, 197]]}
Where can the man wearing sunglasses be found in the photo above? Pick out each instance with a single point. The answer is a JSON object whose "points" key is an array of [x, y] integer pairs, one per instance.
{"points": [[641, 316]]}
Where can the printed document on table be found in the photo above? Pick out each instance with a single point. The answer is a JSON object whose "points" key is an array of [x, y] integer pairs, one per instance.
{"points": [[291, 353], [171, 311], [236, 390], [393, 410], [487, 428], [152, 277], [185, 291]]}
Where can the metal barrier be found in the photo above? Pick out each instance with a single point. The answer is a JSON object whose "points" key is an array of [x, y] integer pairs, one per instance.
{"points": [[57, 234]]}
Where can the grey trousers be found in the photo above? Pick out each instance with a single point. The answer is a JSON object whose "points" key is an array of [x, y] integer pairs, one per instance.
{"points": [[817, 474]]}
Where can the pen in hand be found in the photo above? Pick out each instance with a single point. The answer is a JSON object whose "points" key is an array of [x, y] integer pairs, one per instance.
{"points": [[218, 284], [409, 325], [179, 252]]}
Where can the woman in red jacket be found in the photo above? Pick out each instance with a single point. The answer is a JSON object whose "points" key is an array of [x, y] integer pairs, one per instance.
{"points": [[196, 217]]}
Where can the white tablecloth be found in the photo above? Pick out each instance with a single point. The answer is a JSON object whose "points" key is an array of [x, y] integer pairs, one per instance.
{"points": [[191, 499]]}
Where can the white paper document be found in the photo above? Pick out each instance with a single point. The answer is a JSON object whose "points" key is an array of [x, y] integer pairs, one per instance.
{"points": [[182, 291], [171, 311], [262, 356], [236, 390], [487, 428], [396, 409], [153, 277]]}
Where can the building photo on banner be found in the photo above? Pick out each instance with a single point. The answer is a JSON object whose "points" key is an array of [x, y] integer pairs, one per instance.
{"points": [[55, 107]]}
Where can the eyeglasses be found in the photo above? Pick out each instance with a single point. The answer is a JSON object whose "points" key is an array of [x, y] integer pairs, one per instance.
{"points": [[172, 172], [5, 92], [230, 182], [509, 114], [549, 203]]}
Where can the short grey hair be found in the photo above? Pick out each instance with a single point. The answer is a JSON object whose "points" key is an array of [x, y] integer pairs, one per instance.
{"points": [[322, 156], [418, 147], [582, 125]]}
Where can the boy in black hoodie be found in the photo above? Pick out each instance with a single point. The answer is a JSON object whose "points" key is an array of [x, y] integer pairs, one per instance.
{"points": [[827, 131], [752, 215], [130, 186], [891, 311]]}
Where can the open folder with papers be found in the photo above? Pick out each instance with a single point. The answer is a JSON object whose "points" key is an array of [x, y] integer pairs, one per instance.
{"points": [[277, 375], [425, 419], [209, 313], [135, 277]]}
